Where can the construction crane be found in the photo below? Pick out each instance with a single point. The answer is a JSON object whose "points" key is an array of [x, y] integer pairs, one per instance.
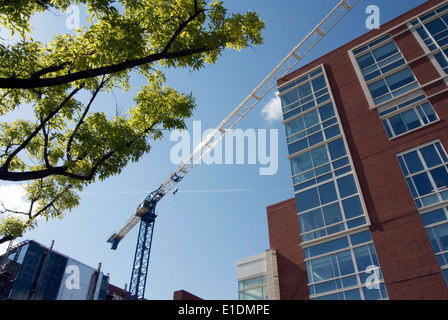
{"points": [[145, 212]]}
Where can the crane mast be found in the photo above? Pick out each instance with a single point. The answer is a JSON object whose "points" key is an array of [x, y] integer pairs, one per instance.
{"points": [[145, 212]]}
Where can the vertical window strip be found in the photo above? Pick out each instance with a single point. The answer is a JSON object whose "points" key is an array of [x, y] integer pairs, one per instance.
{"points": [[426, 172]]}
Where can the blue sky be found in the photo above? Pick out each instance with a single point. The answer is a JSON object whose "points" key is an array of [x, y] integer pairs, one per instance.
{"points": [[219, 214]]}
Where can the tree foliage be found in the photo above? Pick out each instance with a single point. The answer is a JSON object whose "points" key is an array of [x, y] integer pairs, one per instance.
{"points": [[68, 144]]}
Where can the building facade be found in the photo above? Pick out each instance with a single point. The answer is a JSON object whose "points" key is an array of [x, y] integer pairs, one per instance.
{"points": [[258, 277], [30, 271], [366, 129]]}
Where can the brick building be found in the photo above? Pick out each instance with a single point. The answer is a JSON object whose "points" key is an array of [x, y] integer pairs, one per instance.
{"points": [[366, 129]]}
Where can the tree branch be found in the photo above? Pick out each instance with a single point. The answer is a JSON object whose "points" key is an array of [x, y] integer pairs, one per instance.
{"points": [[81, 120], [64, 170], [182, 27], [5, 166], [29, 83]]}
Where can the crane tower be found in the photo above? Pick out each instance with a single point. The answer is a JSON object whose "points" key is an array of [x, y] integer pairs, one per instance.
{"points": [[145, 212]]}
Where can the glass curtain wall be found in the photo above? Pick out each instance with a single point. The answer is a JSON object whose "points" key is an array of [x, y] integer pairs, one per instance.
{"points": [[329, 202]]}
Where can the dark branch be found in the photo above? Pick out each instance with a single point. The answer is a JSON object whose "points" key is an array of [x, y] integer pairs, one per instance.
{"points": [[29, 83], [81, 120], [5, 166]]}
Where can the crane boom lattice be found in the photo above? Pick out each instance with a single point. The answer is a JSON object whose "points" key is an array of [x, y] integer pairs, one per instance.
{"points": [[145, 213]]}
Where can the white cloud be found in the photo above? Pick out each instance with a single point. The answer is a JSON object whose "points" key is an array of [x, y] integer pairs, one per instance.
{"points": [[13, 198], [272, 111]]}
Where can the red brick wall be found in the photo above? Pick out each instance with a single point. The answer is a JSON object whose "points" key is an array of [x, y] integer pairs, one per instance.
{"points": [[185, 295], [284, 237], [406, 257]]}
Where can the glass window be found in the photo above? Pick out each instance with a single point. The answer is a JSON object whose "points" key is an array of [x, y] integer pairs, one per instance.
{"points": [[408, 116], [304, 94], [438, 236], [426, 173], [429, 187], [319, 83], [332, 214], [433, 29], [347, 186], [337, 149], [311, 220], [352, 207], [253, 288], [384, 70], [307, 200], [335, 267], [433, 216]]}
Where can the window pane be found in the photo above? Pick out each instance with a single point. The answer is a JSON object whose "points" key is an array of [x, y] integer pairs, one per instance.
{"points": [[403, 166], [400, 79], [352, 295], [433, 217], [347, 186], [295, 126], [385, 51], [441, 233], [378, 89], [362, 257], [319, 83], [301, 163], [319, 156], [413, 162], [289, 98], [435, 26], [304, 90], [323, 269], [361, 237], [307, 200], [423, 184], [429, 110], [365, 61], [440, 177], [311, 220], [337, 149], [345, 263], [332, 214], [411, 119], [326, 111], [352, 207], [397, 124], [327, 193], [431, 156], [311, 118], [329, 246]]}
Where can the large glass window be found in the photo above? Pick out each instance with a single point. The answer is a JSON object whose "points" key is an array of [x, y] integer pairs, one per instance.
{"points": [[304, 94], [408, 116], [384, 70], [327, 193], [346, 268], [253, 288], [433, 29], [327, 196], [426, 173], [425, 170]]}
